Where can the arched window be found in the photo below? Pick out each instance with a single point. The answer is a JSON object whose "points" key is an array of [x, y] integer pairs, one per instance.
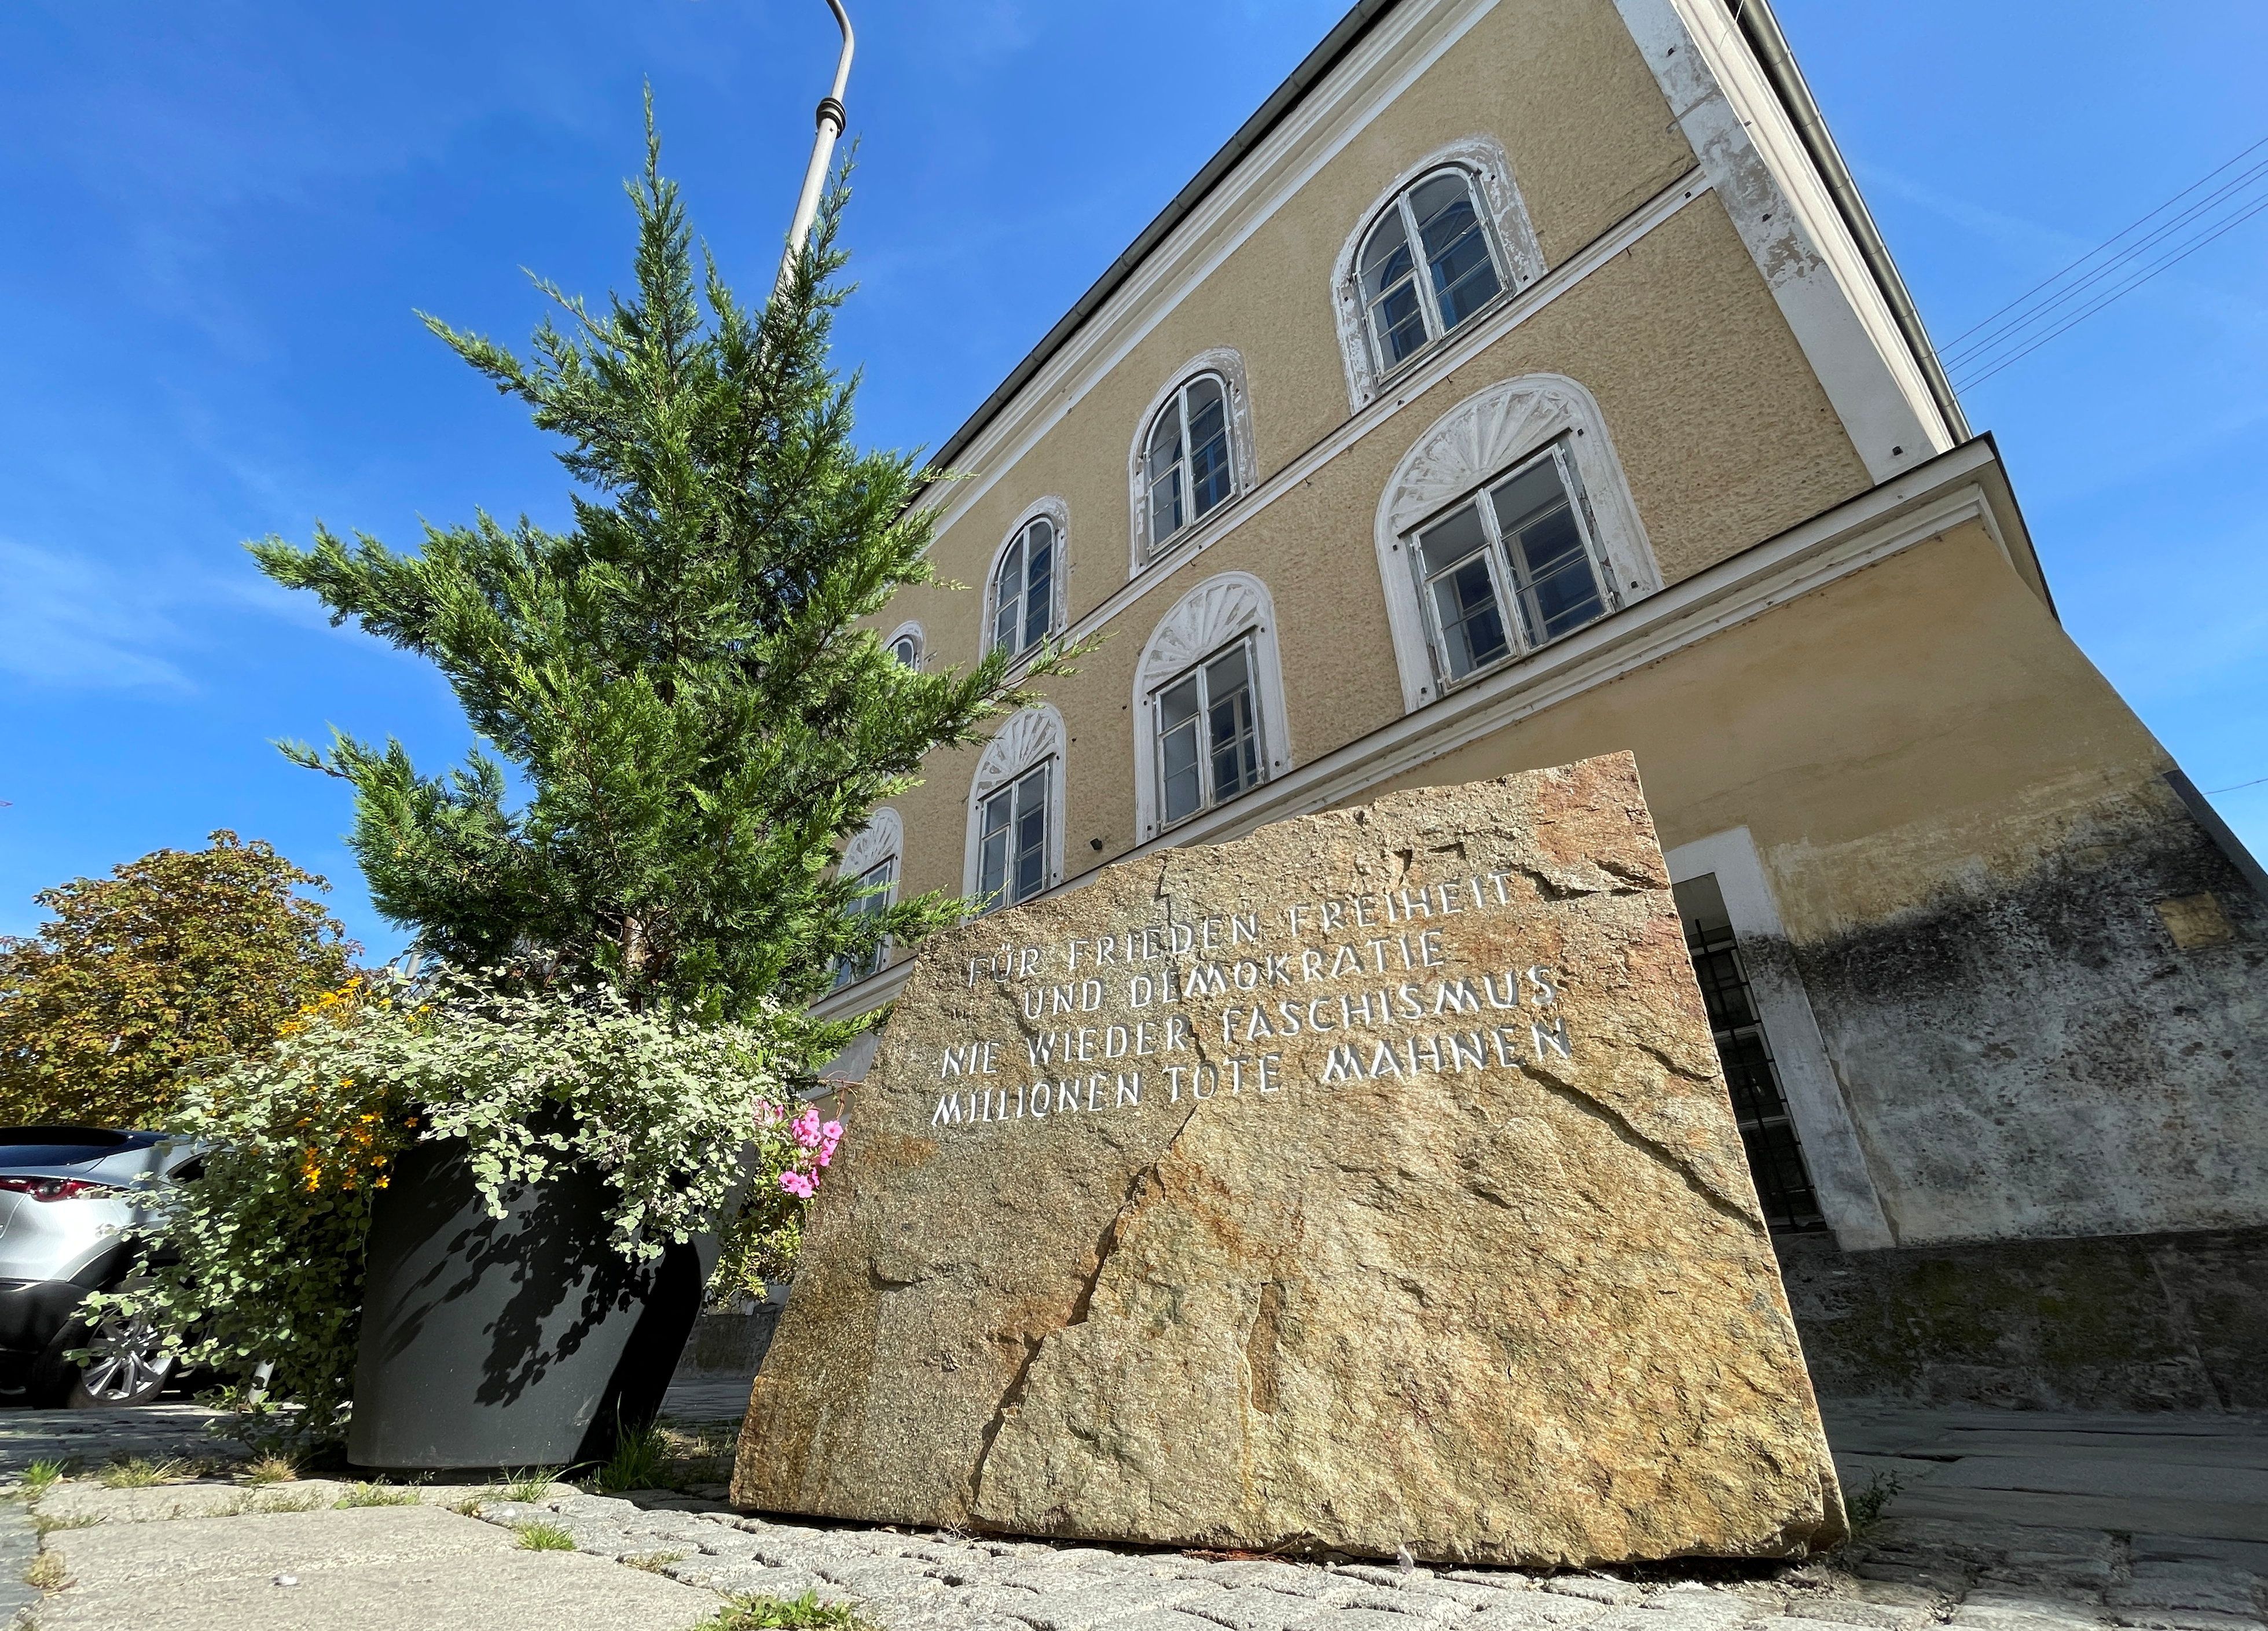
{"points": [[1507, 525], [1208, 698], [1023, 586], [1426, 266], [906, 644], [1443, 241], [1016, 810], [1189, 462]]}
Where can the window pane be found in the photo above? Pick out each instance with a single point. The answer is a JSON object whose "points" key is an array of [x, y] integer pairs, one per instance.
{"points": [[1163, 463], [1177, 704], [905, 651], [1440, 548], [1031, 835], [1456, 248], [1472, 624], [1528, 494], [1399, 322], [1562, 589], [1039, 583], [1386, 257], [1177, 755], [992, 850], [1210, 479], [1008, 596], [1234, 725]]}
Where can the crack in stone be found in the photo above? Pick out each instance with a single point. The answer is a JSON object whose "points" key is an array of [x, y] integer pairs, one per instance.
{"points": [[1630, 1134], [1106, 1247]]}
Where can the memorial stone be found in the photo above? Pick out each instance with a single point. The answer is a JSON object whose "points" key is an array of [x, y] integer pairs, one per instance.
{"points": [[1366, 1183]]}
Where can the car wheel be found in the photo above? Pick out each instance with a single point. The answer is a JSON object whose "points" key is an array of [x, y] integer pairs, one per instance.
{"points": [[126, 1365]]}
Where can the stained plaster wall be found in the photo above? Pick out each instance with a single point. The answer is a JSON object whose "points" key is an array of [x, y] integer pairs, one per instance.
{"points": [[1725, 435], [1967, 837]]}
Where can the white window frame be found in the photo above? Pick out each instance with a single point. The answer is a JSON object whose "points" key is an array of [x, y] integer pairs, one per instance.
{"points": [[1209, 796], [1227, 366], [1512, 608], [1503, 218], [1056, 515], [1476, 443], [846, 972], [881, 842], [1205, 622], [1031, 737], [1436, 327], [913, 632]]}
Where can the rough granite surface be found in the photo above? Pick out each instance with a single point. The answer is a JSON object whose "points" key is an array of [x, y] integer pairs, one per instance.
{"points": [[1364, 1185]]}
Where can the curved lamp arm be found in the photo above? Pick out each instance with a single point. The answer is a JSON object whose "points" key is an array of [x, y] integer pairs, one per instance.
{"points": [[832, 119]]}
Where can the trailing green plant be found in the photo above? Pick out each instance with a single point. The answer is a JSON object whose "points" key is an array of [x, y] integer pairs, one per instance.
{"points": [[1867, 1505], [259, 1269]]}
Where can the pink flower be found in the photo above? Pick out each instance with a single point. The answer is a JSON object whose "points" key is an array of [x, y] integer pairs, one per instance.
{"points": [[797, 1185], [832, 1133], [804, 1128], [826, 1155]]}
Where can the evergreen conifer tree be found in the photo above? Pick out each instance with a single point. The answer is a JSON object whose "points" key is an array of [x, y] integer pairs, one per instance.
{"points": [[681, 680]]}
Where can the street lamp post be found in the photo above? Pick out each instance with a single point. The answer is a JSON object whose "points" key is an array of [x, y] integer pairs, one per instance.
{"points": [[832, 119]]}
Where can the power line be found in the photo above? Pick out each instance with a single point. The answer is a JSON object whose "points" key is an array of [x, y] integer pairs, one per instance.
{"points": [[2012, 333], [2035, 311], [2183, 254], [2215, 792], [2107, 242]]}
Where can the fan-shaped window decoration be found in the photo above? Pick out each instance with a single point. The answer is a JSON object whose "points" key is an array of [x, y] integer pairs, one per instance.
{"points": [[1188, 465], [1427, 266], [1024, 588]]}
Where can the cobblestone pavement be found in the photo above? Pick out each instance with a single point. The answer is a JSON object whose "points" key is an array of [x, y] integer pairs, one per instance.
{"points": [[2000, 1557]]}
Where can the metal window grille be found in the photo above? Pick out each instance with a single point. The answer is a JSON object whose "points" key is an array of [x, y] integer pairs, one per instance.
{"points": [[1759, 1107]]}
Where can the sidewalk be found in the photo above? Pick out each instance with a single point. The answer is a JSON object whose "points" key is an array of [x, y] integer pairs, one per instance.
{"points": [[2003, 1522]]}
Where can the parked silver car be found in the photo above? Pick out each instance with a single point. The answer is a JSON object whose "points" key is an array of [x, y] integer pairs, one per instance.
{"points": [[67, 1195]]}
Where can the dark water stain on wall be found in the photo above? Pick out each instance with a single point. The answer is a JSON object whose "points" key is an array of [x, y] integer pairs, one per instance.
{"points": [[2036, 1056], [2132, 1322]]}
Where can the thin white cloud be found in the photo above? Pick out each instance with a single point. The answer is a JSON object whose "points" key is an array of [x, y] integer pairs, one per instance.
{"points": [[74, 624]]}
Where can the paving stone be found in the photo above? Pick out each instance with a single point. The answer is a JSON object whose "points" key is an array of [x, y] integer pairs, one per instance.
{"points": [[1534, 1611], [1857, 1610], [2184, 1619], [1595, 1589], [2007, 1614], [1360, 1618], [2219, 1590], [1503, 1579], [1089, 1608], [1257, 1607]]}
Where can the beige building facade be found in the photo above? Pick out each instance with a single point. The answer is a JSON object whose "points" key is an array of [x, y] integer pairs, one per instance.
{"points": [[1525, 382]]}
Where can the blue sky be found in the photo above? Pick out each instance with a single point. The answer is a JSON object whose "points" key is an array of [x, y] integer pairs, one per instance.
{"points": [[216, 220]]}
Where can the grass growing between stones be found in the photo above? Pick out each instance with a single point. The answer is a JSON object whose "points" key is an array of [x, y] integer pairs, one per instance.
{"points": [[654, 1562], [140, 1473], [544, 1538], [376, 1495], [640, 1461], [47, 1573], [773, 1613], [529, 1487], [49, 1526], [40, 1476], [272, 1468]]}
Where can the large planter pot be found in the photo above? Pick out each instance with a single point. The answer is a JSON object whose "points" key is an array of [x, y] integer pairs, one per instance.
{"points": [[519, 1341]]}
